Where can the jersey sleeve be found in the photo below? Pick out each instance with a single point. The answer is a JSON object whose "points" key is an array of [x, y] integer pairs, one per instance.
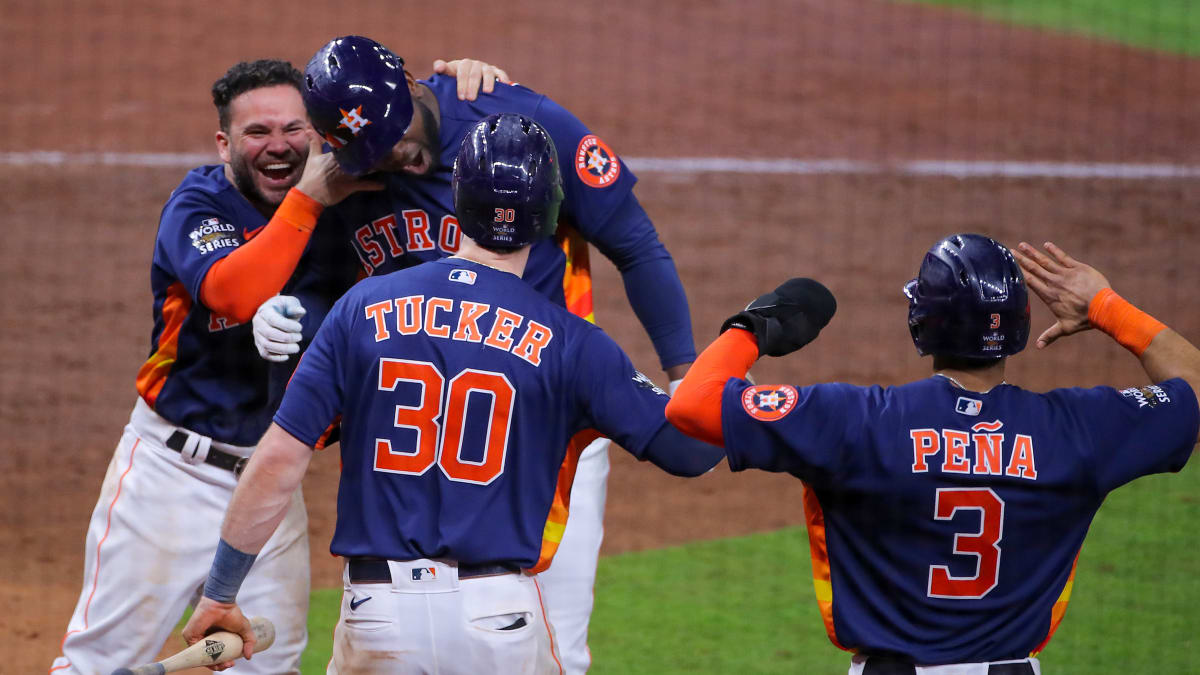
{"points": [[617, 400], [316, 392], [1136, 431], [799, 430], [193, 233], [595, 180]]}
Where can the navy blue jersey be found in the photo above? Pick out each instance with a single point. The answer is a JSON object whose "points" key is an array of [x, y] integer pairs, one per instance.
{"points": [[459, 387], [203, 372], [945, 524], [413, 220]]}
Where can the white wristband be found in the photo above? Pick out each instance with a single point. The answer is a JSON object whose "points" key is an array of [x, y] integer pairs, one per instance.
{"points": [[673, 385]]}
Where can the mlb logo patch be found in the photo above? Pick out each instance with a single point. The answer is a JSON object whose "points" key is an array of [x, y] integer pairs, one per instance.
{"points": [[463, 277], [424, 574], [968, 406], [211, 222]]}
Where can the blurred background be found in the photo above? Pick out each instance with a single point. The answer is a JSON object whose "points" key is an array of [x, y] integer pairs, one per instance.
{"points": [[836, 139]]}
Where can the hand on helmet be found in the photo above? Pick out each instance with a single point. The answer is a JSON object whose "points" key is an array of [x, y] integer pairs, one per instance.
{"points": [[787, 318], [325, 181], [277, 328]]}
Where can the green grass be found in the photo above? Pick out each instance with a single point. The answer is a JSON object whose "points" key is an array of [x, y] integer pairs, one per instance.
{"points": [[746, 605], [1168, 25]]}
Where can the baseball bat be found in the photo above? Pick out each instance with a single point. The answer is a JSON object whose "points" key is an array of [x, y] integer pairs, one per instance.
{"points": [[216, 648]]}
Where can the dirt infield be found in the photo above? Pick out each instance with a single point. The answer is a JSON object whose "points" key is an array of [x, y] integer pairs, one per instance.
{"points": [[851, 79]]}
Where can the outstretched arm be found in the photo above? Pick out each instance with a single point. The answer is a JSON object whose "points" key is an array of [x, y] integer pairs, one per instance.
{"points": [[259, 504], [1081, 298]]}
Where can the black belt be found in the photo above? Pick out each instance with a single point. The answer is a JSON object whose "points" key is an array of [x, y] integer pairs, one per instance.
{"points": [[376, 570], [217, 458], [883, 665]]}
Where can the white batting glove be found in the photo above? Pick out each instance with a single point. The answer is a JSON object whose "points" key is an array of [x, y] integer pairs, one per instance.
{"points": [[672, 386], [277, 327]]}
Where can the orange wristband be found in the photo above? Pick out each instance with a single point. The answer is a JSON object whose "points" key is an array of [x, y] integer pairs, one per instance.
{"points": [[1128, 325], [300, 210]]}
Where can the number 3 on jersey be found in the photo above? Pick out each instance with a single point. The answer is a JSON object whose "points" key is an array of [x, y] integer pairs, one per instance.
{"points": [[442, 442], [984, 544]]}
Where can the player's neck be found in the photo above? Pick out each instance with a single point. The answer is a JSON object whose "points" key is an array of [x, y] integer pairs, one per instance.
{"points": [[511, 262], [981, 380]]}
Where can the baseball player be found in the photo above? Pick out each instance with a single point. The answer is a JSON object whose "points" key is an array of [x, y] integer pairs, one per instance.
{"points": [[379, 119], [459, 386], [228, 239], [946, 515]]}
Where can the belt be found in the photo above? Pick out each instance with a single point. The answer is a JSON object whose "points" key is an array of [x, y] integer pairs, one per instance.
{"points": [[376, 570], [218, 458], [882, 665]]}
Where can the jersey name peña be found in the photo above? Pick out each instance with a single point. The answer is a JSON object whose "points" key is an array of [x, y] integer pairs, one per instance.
{"points": [[980, 453], [459, 320]]}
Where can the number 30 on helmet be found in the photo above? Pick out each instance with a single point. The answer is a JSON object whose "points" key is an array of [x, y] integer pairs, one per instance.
{"points": [[507, 184], [969, 300]]}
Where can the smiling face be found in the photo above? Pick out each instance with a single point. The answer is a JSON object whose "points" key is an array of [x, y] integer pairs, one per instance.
{"points": [[266, 144]]}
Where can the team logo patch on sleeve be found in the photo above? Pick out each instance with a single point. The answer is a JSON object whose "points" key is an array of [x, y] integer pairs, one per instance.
{"points": [[769, 402], [595, 163]]}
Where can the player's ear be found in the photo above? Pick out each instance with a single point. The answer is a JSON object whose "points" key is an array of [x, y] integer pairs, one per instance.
{"points": [[223, 146]]}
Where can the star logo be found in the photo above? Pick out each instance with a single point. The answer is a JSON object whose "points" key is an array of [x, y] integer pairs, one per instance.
{"points": [[769, 402], [353, 120], [595, 163]]}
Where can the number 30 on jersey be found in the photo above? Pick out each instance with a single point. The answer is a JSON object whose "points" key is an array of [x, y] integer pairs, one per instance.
{"points": [[440, 420]]}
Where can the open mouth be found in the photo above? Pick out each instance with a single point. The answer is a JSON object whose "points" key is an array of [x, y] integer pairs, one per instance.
{"points": [[278, 173]]}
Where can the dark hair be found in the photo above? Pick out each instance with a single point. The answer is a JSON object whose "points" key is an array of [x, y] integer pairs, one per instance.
{"points": [[248, 76]]}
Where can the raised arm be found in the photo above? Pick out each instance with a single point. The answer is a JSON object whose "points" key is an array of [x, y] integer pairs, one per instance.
{"points": [[1081, 298]]}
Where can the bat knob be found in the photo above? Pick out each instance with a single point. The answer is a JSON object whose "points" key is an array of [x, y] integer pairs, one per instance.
{"points": [[122, 671]]}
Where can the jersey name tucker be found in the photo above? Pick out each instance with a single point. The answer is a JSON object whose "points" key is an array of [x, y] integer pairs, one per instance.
{"points": [[460, 320], [982, 452]]}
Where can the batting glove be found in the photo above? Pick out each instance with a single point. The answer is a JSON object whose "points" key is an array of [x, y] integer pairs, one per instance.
{"points": [[787, 318], [277, 327]]}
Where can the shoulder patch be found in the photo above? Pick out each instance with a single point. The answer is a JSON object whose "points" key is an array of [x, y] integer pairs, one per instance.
{"points": [[646, 383], [769, 402], [595, 163], [1146, 397], [212, 234]]}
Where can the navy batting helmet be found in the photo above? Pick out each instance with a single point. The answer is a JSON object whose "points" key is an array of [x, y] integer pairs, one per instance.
{"points": [[358, 100], [968, 300], [507, 186]]}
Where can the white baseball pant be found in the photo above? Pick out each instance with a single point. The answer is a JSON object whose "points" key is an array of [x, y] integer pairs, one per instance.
{"points": [[150, 543]]}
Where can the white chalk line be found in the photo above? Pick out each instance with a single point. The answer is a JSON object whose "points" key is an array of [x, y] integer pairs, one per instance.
{"points": [[698, 165]]}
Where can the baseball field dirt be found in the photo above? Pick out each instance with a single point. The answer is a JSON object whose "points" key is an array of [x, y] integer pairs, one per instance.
{"points": [[861, 80]]}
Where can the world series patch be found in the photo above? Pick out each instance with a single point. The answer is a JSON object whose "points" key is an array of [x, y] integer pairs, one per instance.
{"points": [[595, 163], [769, 402]]}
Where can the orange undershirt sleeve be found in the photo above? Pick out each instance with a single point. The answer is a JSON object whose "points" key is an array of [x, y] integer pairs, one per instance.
{"points": [[695, 409], [237, 284]]}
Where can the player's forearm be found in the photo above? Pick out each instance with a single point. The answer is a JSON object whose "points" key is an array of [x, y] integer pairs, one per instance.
{"points": [[696, 406], [237, 284], [658, 299], [265, 490], [1164, 354], [679, 455]]}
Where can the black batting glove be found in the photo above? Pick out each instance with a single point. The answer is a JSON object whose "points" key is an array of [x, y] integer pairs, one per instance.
{"points": [[788, 317]]}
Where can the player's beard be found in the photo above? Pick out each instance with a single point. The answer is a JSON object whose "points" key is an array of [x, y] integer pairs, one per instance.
{"points": [[244, 179]]}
